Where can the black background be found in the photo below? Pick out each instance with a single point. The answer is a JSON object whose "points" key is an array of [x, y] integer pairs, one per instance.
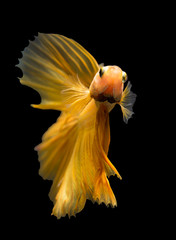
{"points": [[113, 39]]}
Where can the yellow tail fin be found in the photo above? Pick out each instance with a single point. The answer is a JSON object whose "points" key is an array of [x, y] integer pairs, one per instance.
{"points": [[73, 155]]}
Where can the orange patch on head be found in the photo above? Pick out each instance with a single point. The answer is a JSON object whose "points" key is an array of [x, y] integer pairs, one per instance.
{"points": [[108, 85]]}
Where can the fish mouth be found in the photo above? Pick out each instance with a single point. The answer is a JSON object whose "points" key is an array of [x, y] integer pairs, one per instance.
{"points": [[102, 98], [111, 100]]}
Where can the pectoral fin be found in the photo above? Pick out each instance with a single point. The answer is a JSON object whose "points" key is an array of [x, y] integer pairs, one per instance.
{"points": [[127, 101]]}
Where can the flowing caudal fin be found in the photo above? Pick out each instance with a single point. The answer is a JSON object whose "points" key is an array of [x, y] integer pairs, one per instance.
{"points": [[73, 154]]}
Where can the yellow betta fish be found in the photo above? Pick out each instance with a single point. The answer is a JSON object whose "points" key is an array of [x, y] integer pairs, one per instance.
{"points": [[73, 151]]}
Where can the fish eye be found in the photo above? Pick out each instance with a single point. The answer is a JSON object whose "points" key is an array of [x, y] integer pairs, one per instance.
{"points": [[102, 70], [124, 77]]}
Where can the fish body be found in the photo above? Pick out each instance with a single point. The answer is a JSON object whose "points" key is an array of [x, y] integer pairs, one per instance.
{"points": [[73, 151]]}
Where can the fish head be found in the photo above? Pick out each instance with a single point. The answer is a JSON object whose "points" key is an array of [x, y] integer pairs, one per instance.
{"points": [[108, 84]]}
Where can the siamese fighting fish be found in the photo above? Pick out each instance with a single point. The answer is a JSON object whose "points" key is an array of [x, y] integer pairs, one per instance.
{"points": [[73, 151]]}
